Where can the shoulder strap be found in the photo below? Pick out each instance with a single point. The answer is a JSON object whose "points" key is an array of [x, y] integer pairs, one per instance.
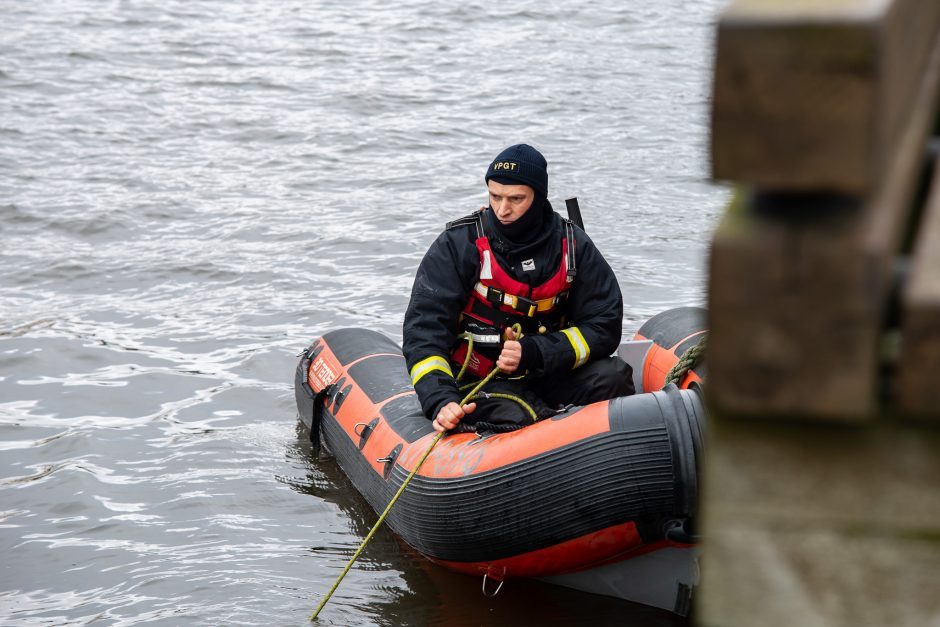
{"points": [[474, 218], [574, 212], [571, 270]]}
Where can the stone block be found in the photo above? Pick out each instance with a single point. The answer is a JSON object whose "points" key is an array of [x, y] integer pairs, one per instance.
{"points": [[814, 94]]}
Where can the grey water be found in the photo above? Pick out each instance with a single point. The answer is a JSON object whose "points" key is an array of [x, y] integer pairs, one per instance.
{"points": [[191, 191]]}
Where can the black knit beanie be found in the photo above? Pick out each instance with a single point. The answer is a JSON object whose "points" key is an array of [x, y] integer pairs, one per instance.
{"points": [[520, 165]]}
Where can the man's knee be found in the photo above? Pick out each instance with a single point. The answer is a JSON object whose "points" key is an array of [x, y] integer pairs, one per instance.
{"points": [[598, 380], [610, 378]]}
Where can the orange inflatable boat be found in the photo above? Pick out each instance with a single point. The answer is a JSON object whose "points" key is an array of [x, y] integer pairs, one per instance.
{"points": [[601, 498]]}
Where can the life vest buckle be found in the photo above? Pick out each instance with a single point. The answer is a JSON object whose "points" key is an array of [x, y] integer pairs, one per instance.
{"points": [[526, 306], [495, 295]]}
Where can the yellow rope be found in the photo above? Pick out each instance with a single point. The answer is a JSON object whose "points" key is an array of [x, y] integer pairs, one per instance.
{"points": [[517, 328], [512, 397], [466, 359], [378, 523], [517, 399], [404, 485]]}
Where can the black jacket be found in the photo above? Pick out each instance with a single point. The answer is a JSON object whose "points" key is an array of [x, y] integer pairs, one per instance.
{"points": [[450, 269]]}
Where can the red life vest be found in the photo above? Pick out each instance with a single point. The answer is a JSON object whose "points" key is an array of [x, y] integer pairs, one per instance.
{"points": [[498, 300]]}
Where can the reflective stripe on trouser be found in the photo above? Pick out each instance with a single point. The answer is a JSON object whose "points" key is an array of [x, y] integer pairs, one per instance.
{"points": [[581, 349], [425, 366]]}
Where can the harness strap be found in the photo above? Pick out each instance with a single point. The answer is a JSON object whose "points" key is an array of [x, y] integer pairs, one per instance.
{"points": [[571, 271], [482, 338], [526, 306], [475, 218]]}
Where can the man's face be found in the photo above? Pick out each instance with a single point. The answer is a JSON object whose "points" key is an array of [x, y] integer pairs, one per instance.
{"points": [[509, 202]]}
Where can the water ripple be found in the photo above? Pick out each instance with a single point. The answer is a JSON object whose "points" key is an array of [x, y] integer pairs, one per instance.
{"points": [[188, 196]]}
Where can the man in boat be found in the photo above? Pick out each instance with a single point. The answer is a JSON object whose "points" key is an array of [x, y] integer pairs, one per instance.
{"points": [[514, 262]]}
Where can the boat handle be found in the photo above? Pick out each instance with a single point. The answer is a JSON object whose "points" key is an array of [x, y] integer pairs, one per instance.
{"points": [[356, 428]]}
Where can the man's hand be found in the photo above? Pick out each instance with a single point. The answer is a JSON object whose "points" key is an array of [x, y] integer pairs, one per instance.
{"points": [[511, 354], [450, 416]]}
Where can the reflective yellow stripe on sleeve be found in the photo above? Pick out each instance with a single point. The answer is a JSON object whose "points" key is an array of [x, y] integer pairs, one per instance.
{"points": [[581, 349], [427, 365]]}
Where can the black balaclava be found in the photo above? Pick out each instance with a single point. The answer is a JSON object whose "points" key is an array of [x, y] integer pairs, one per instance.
{"points": [[527, 228]]}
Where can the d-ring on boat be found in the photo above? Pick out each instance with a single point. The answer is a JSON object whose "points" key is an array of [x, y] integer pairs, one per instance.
{"points": [[601, 498]]}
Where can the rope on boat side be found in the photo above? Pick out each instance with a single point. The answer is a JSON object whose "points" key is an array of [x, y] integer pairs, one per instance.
{"points": [[690, 358]]}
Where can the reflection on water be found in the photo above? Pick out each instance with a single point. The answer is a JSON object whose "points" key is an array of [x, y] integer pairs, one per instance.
{"points": [[188, 195]]}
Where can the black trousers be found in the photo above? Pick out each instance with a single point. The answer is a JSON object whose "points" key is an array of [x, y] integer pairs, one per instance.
{"points": [[597, 380]]}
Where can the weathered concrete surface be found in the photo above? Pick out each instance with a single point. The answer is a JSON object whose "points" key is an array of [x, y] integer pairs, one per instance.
{"points": [[816, 525]]}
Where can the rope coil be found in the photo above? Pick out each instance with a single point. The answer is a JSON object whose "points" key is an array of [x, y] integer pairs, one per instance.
{"points": [[689, 359]]}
